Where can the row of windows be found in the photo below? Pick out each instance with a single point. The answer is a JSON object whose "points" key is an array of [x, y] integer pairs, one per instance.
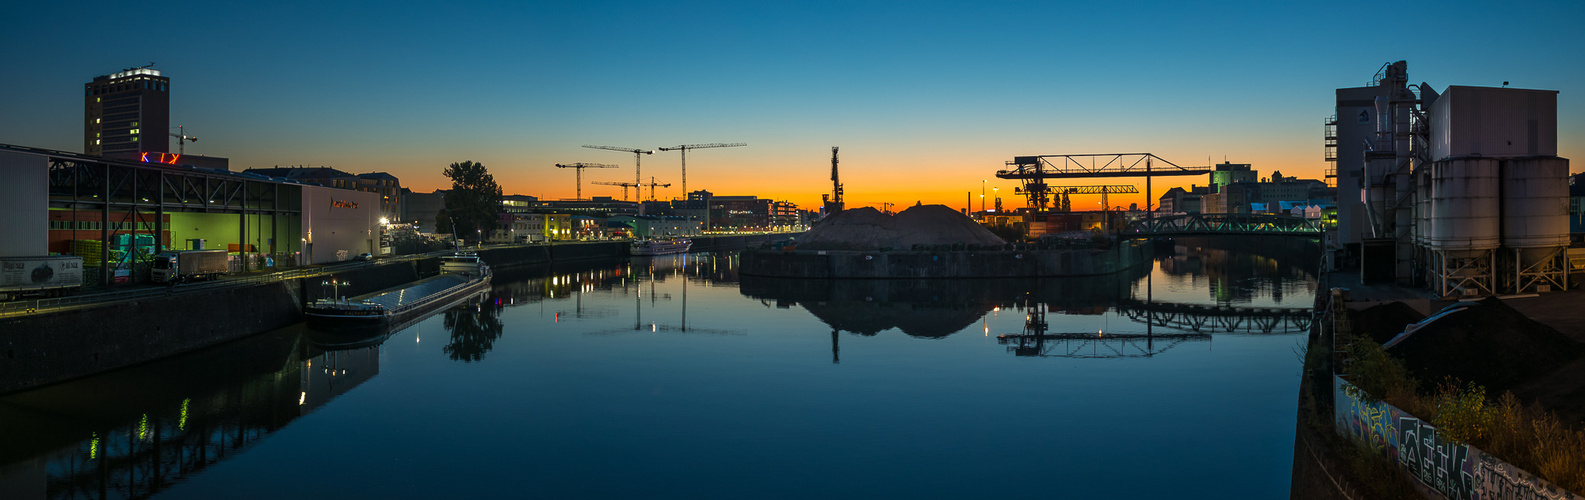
{"points": [[137, 85], [93, 225]]}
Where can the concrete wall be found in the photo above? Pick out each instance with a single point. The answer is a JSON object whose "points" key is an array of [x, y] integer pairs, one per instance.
{"points": [[24, 205], [338, 231], [1455, 471], [943, 264]]}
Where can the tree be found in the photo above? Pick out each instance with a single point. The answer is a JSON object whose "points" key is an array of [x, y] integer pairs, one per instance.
{"points": [[473, 203]]}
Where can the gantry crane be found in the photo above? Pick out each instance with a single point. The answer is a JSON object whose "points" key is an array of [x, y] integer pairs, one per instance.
{"points": [[1062, 205], [580, 167], [637, 155], [684, 149], [624, 185]]}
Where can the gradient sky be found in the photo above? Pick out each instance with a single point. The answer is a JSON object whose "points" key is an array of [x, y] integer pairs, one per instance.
{"points": [[924, 98]]}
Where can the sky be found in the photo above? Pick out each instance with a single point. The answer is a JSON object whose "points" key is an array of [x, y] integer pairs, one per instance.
{"points": [[923, 98]]}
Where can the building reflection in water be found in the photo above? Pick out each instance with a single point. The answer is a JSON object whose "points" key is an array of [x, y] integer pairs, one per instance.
{"points": [[135, 432]]}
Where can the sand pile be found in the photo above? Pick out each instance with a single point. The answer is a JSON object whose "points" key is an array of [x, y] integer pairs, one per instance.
{"points": [[1490, 344], [868, 229], [1383, 322]]}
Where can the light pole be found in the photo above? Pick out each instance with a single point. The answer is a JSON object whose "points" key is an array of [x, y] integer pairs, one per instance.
{"points": [[982, 196]]}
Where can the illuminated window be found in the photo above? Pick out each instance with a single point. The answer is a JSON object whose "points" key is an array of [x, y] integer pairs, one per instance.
{"points": [[134, 131], [134, 124], [134, 139], [96, 120], [96, 142]]}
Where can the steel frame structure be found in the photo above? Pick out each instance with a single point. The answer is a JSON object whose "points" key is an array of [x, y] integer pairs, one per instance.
{"points": [[1033, 170], [1214, 319], [1223, 224]]}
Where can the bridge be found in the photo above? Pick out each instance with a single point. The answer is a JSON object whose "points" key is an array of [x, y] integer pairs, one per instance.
{"points": [[1222, 225], [1095, 345], [1214, 319]]}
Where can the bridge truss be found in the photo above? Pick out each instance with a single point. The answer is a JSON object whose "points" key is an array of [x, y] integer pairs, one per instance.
{"points": [[1223, 224], [1095, 345], [1217, 319]]}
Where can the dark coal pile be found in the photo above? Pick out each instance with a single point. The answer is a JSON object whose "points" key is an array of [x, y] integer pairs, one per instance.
{"points": [[1383, 322], [866, 228], [1491, 344]]}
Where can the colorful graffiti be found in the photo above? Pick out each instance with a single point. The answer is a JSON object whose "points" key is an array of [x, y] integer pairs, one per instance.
{"points": [[1452, 470]]}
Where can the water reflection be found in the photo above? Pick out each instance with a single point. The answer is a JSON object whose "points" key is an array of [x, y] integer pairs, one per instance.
{"points": [[474, 327], [1245, 294], [135, 432]]}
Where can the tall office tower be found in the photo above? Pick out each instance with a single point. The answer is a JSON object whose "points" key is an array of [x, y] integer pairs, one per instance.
{"points": [[127, 113]]}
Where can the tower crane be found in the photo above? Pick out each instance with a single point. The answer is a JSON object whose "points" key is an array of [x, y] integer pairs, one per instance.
{"points": [[182, 139], [652, 184], [580, 167], [684, 149], [637, 155], [624, 185]]}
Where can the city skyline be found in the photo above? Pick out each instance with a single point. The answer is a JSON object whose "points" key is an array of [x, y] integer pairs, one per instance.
{"points": [[923, 100]]}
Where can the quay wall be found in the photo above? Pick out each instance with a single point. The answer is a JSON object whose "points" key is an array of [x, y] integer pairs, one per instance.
{"points": [[46, 348], [944, 263]]}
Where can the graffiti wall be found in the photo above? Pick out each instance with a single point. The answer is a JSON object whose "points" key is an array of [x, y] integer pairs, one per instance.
{"points": [[1453, 470]]}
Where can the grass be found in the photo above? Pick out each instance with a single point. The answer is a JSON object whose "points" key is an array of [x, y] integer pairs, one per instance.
{"points": [[1528, 437]]}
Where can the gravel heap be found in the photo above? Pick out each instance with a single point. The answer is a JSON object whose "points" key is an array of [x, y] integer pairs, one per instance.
{"points": [[1490, 344], [1385, 321], [866, 228]]}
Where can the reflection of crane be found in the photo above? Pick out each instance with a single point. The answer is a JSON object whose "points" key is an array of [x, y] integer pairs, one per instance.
{"points": [[624, 185], [652, 184], [637, 155], [684, 149], [580, 167], [182, 139]]}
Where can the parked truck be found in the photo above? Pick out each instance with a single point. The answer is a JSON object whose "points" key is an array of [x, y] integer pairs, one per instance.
{"points": [[189, 265], [39, 276]]}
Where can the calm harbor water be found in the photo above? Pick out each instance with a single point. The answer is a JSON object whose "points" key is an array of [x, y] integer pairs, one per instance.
{"points": [[675, 377]]}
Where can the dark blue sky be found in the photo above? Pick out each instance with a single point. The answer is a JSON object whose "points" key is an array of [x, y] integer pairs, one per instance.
{"points": [[924, 97]]}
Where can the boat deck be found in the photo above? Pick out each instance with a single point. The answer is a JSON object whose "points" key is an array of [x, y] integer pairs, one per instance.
{"points": [[393, 298]]}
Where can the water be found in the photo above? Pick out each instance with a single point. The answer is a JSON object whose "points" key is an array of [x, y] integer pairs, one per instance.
{"points": [[673, 377]]}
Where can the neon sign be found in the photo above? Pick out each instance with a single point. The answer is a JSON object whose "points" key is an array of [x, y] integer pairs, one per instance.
{"points": [[166, 158]]}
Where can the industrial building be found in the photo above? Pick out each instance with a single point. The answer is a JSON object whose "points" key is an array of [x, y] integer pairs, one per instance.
{"points": [[117, 213], [1461, 191]]}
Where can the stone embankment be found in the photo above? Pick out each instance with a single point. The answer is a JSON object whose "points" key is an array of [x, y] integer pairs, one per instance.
{"points": [[41, 349]]}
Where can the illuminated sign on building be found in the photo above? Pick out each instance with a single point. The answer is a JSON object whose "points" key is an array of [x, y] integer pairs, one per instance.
{"points": [[343, 204], [166, 158]]}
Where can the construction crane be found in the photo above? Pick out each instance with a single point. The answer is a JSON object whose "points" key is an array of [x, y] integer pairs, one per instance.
{"points": [[638, 171], [624, 185], [833, 201], [182, 139], [652, 184], [684, 149], [580, 167]]}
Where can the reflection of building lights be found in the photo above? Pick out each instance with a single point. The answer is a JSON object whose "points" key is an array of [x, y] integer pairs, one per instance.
{"points": [[302, 398], [182, 424]]}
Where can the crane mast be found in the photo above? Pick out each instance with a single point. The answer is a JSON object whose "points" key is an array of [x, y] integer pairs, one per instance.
{"points": [[834, 203]]}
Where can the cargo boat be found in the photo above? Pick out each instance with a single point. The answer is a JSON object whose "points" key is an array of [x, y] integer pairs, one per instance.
{"points": [[662, 246], [467, 277]]}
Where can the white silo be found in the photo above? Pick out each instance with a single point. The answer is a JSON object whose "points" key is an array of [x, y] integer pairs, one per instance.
{"points": [[1535, 221], [1465, 228]]}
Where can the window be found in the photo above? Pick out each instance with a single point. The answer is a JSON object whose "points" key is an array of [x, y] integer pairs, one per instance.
{"points": [[134, 131], [96, 121]]}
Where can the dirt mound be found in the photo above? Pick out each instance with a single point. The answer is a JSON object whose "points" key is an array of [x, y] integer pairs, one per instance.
{"points": [[866, 228], [1385, 321], [1490, 344]]}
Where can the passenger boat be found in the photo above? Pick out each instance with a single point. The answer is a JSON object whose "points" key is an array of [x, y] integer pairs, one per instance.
{"points": [[661, 246], [465, 276]]}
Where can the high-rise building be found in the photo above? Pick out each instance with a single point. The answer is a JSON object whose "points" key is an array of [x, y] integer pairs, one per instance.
{"points": [[127, 113]]}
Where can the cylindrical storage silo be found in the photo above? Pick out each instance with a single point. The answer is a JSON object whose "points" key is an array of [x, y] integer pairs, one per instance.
{"points": [[1464, 204], [1535, 202]]}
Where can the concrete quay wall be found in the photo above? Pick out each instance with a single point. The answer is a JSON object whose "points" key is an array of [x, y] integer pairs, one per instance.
{"points": [[943, 264]]}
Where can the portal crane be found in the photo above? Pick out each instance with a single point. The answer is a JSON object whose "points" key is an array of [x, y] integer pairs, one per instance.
{"points": [[624, 185], [580, 167], [637, 155], [684, 149], [1037, 194]]}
